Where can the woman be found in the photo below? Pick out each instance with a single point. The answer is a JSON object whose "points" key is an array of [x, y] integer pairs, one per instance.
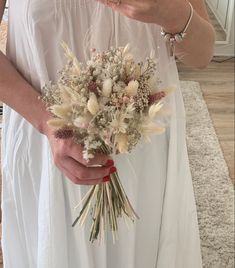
{"points": [[44, 178]]}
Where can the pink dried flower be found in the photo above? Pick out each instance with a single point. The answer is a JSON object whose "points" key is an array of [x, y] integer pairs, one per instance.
{"points": [[126, 99], [156, 97], [93, 87]]}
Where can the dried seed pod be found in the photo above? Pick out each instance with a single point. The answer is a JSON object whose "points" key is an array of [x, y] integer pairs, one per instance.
{"points": [[93, 105], [57, 122], [132, 88], [107, 87], [63, 133]]}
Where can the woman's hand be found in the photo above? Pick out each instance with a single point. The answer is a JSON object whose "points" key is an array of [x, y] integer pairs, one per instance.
{"points": [[69, 159], [162, 12], [197, 48]]}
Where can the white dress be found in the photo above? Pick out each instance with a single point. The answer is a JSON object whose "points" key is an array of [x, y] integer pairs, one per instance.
{"points": [[38, 201]]}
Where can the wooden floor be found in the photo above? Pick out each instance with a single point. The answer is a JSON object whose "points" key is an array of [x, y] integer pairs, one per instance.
{"points": [[217, 84]]}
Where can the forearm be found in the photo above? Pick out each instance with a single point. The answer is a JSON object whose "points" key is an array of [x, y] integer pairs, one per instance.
{"points": [[17, 93], [2, 5], [197, 48]]}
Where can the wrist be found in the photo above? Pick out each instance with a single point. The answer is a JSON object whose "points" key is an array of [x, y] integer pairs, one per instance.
{"points": [[179, 19], [43, 127], [41, 124]]}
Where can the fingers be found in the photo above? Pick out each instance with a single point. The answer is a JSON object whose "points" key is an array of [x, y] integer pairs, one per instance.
{"points": [[85, 173], [76, 180], [100, 160], [75, 151], [68, 157]]}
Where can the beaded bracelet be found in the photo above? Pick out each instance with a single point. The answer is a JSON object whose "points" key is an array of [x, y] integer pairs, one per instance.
{"points": [[177, 37]]}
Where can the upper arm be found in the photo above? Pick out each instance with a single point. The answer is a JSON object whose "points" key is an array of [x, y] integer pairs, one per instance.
{"points": [[200, 7], [2, 6]]}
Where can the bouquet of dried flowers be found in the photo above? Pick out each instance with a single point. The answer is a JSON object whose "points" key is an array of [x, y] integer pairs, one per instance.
{"points": [[108, 104]]}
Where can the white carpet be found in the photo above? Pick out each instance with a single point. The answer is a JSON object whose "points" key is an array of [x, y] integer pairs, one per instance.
{"points": [[212, 186]]}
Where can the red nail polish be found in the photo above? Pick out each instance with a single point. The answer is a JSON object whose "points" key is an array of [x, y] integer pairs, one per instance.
{"points": [[109, 163], [107, 178], [112, 170]]}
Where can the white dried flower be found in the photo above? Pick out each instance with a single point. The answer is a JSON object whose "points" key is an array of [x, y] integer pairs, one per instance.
{"points": [[107, 87], [154, 109], [65, 96], [93, 105], [71, 56], [169, 90], [87, 156], [137, 72], [83, 121], [62, 111], [68, 51], [149, 128], [129, 58], [126, 49], [117, 87], [76, 66], [130, 110], [152, 54], [118, 123], [122, 143], [74, 96], [153, 83], [132, 88], [57, 122]]}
